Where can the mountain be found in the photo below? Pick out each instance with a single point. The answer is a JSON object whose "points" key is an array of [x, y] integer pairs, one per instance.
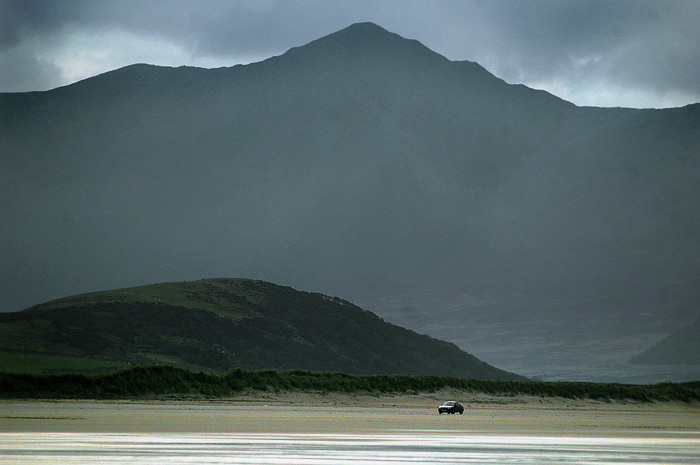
{"points": [[548, 239], [682, 347], [220, 324]]}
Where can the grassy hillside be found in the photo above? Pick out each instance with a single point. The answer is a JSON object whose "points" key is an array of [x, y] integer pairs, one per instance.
{"points": [[220, 324], [140, 382]]}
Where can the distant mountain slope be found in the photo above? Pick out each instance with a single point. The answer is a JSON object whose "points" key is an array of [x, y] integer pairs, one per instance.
{"points": [[365, 165], [220, 324], [682, 347]]}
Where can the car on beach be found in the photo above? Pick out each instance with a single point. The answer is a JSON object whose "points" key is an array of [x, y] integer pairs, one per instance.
{"points": [[451, 406]]}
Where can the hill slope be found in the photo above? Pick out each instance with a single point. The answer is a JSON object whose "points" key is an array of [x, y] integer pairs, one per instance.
{"points": [[365, 165], [220, 324], [682, 347]]}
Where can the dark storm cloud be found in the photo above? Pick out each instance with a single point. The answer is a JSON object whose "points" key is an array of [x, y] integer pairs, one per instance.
{"points": [[631, 43], [22, 20], [213, 26], [16, 15], [579, 48], [645, 47]]}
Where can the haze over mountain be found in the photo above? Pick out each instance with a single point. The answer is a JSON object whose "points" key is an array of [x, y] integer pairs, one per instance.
{"points": [[544, 238], [680, 348]]}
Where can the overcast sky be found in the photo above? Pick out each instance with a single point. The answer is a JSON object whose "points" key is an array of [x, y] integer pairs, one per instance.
{"points": [[634, 53]]}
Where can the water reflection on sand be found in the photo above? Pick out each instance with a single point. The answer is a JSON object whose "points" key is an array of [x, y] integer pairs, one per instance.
{"points": [[424, 447]]}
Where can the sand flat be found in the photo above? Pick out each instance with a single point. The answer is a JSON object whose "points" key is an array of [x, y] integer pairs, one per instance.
{"points": [[354, 414]]}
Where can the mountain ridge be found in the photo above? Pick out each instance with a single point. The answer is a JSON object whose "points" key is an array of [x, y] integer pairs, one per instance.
{"points": [[363, 177]]}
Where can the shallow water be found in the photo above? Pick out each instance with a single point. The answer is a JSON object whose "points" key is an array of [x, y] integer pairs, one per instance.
{"points": [[416, 448]]}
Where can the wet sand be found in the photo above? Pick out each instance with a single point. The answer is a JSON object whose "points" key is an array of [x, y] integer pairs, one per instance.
{"points": [[355, 414]]}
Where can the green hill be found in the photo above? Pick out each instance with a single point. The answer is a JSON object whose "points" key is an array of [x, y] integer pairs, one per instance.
{"points": [[220, 324]]}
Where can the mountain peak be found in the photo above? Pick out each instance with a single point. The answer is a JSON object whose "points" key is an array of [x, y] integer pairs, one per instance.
{"points": [[364, 29], [361, 32], [366, 39]]}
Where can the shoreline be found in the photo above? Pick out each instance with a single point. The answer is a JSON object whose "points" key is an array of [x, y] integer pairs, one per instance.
{"points": [[316, 413]]}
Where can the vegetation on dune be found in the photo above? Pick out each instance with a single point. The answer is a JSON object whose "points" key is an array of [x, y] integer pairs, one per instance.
{"points": [[159, 381]]}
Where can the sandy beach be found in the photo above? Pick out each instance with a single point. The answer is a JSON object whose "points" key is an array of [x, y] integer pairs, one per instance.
{"points": [[355, 414]]}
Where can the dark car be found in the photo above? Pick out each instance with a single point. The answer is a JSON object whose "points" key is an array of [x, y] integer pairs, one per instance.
{"points": [[451, 406]]}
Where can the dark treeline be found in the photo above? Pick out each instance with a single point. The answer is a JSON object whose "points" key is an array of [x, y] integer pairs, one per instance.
{"points": [[159, 381]]}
